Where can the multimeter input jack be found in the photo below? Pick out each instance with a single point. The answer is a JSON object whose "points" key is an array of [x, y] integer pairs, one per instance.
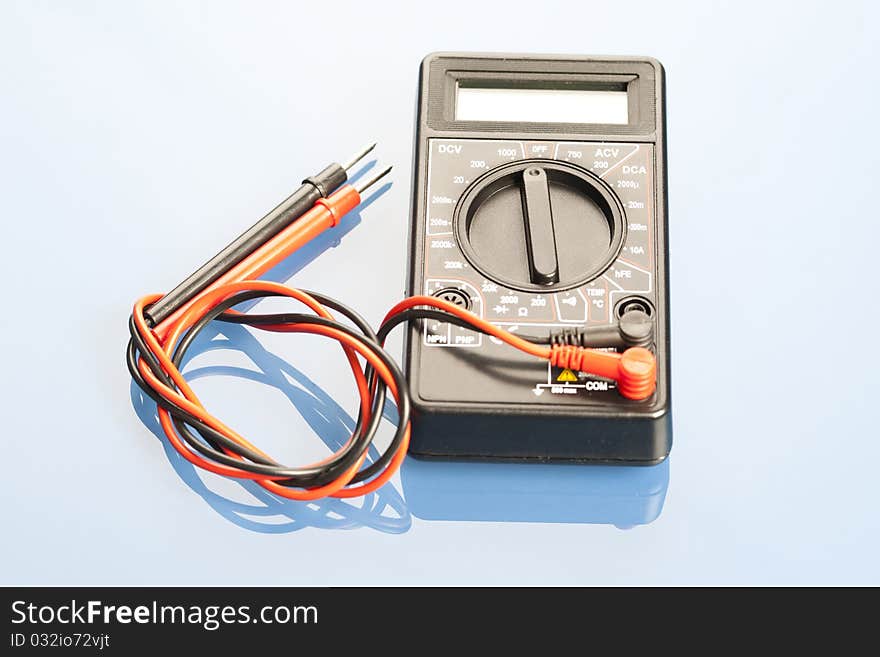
{"points": [[454, 295], [632, 304]]}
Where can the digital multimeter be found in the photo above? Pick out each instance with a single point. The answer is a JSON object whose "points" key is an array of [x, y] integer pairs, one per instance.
{"points": [[539, 204]]}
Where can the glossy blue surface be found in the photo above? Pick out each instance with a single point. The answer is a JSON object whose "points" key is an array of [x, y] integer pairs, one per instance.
{"points": [[136, 139]]}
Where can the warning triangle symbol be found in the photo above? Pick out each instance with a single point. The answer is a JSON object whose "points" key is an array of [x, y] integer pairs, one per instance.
{"points": [[567, 376]]}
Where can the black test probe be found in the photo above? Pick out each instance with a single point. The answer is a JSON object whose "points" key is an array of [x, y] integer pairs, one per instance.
{"points": [[162, 327], [314, 187]]}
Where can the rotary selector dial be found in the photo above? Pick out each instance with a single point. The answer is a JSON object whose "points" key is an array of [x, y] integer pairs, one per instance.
{"points": [[540, 225]]}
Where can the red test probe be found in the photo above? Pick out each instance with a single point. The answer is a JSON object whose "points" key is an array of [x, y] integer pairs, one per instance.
{"points": [[162, 327]]}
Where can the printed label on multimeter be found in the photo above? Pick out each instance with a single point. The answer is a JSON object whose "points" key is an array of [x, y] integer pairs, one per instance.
{"points": [[454, 164]]}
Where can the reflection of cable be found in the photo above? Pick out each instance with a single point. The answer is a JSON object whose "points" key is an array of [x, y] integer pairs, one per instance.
{"points": [[157, 348], [225, 452], [383, 510], [328, 513]]}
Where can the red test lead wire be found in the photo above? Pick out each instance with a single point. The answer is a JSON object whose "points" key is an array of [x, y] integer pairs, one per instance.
{"points": [[186, 397], [634, 370]]}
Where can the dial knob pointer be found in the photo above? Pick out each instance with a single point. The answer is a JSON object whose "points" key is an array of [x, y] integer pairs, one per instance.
{"points": [[538, 219]]}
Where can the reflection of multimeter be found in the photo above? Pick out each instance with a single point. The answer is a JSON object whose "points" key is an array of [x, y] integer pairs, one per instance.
{"points": [[519, 492], [539, 203]]}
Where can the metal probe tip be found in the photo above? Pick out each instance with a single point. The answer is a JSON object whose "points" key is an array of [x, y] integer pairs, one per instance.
{"points": [[372, 181], [357, 157]]}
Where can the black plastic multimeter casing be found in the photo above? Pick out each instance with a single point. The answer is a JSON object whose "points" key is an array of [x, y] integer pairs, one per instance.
{"points": [[472, 397]]}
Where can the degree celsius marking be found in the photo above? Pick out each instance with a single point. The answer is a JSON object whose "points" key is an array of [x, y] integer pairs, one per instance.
{"points": [[510, 154], [582, 148]]}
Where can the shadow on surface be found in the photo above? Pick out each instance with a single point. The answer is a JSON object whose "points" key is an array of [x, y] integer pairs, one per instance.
{"points": [[621, 496], [383, 510]]}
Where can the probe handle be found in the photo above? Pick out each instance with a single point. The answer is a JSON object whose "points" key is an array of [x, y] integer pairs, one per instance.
{"points": [[324, 214], [289, 209]]}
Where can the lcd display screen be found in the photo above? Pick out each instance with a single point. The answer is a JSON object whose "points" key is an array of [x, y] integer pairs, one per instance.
{"points": [[475, 103]]}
